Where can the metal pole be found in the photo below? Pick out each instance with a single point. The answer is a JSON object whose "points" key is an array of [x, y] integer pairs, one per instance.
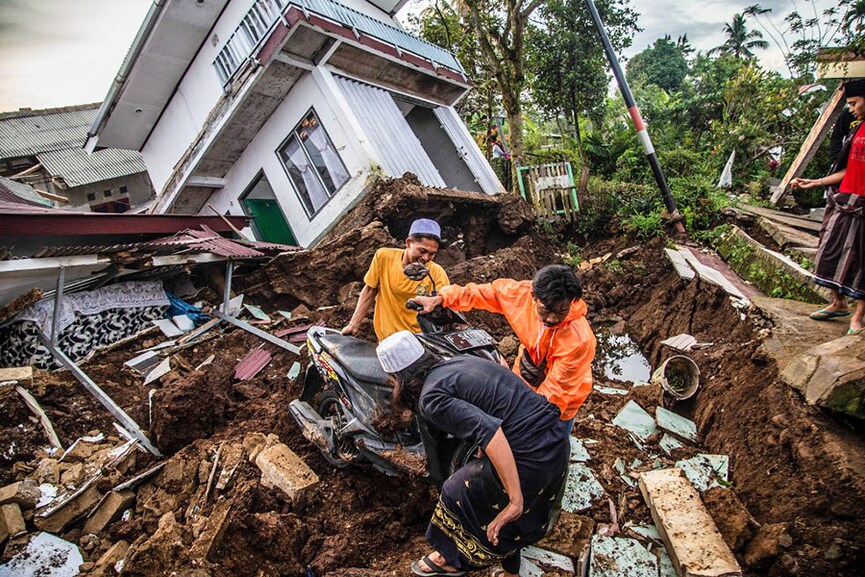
{"points": [[58, 301], [229, 270], [125, 420], [636, 118], [257, 332]]}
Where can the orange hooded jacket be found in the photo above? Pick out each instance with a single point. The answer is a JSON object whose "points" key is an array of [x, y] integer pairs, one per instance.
{"points": [[569, 347]]}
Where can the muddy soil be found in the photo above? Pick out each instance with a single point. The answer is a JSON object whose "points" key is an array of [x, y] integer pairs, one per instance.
{"points": [[790, 512]]}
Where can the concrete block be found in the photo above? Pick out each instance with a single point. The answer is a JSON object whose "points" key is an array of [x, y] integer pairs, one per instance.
{"points": [[11, 522], [48, 471], [112, 505], [694, 543], [282, 468], [110, 558], [72, 475], [23, 375], [210, 538], [26, 493], [831, 375], [56, 518]]}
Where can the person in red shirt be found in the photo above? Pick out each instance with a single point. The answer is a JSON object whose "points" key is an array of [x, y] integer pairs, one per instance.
{"points": [[840, 263], [548, 315]]}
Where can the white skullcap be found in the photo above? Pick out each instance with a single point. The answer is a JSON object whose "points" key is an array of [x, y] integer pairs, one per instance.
{"points": [[399, 351]]}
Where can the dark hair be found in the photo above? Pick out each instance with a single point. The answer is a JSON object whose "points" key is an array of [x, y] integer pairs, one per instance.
{"points": [[409, 381], [422, 236], [556, 284]]}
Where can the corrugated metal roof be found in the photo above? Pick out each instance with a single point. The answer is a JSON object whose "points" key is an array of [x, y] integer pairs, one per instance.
{"points": [[251, 364], [29, 133], [78, 168], [20, 193]]}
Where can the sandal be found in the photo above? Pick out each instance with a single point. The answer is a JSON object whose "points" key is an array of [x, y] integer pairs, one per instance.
{"points": [[824, 315], [434, 569], [852, 331]]}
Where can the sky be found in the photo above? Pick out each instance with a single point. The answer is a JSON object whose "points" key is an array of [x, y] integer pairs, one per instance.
{"points": [[66, 52]]}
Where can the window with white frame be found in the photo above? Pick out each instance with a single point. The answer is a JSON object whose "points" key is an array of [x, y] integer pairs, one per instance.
{"points": [[312, 163]]}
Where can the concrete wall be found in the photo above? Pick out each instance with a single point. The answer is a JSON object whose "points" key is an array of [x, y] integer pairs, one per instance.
{"points": [[312, 90], [138, 187], [200, 90]]}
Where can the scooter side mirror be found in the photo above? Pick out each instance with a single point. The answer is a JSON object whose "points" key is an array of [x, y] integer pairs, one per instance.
{"points": [[416, 271]]}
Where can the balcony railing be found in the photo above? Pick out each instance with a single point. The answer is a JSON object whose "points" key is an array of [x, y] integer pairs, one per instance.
{"points": [[264, 14]]}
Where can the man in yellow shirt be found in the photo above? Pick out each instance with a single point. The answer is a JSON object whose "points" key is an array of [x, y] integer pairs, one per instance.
{"points": [[387, 286]]}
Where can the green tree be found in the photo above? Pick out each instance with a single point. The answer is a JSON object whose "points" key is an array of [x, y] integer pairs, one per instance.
{"points": [[662, 64], [500, 31], [740, 41], [569, 65]]}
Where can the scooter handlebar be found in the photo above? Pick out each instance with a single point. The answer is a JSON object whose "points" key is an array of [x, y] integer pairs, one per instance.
{"points": [[413, 305]]}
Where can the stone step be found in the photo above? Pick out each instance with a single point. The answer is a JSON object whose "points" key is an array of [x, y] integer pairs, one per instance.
{"points": [[787, 236], [775, 274]]}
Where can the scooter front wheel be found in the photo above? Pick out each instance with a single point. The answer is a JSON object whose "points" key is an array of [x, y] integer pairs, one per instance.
{"points": [[330, 407]]}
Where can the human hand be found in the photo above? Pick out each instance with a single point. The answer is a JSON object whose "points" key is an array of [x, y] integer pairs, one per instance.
{"points": [[806, 183], [512, 511], [350, 330], [428, 303]]}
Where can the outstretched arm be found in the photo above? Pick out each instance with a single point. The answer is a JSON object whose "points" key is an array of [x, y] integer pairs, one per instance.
{"points": [[830, 180], [502, 458], [364, 303]]}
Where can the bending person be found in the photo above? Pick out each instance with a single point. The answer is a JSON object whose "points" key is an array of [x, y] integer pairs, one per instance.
{"points": [[494, 505], [548, 315], [840, 262], [387, 286]]}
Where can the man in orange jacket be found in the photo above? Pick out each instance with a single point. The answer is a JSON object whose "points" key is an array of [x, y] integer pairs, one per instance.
{"points": [[548, 315]]}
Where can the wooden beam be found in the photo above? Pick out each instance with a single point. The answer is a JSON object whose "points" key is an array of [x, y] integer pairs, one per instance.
{"points": [[812, 143], [24, 173]]}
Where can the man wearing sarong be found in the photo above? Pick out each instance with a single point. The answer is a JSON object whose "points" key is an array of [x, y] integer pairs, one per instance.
{"points": [[840, 263], [503, 501], [548, 315]]}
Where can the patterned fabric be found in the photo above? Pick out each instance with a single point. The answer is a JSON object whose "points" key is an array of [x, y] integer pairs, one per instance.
{"points": [[20, 344], [473, 496], [840, 261]]}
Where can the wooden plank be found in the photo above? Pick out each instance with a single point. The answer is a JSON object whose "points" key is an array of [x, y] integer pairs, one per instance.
{"points": [[783, 217], [812, 143], [691, 537]]}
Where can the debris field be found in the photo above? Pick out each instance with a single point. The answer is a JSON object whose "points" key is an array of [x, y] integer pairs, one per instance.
{"points": [[240, 491]]}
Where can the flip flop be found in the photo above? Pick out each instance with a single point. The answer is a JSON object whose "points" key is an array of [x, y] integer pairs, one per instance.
{"points": [[855, 331], [824, 315], [436, 569]]}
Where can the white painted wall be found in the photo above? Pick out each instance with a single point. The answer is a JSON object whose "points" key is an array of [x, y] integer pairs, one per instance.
{"points": [[200, 90], [312, 89]]}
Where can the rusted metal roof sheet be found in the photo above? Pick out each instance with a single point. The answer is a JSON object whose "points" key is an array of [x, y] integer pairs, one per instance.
{"points": [[77, 168], [28, 133], [251, 364]]}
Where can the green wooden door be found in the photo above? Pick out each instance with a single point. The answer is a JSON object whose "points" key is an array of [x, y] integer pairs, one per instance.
{"points": [[269, 221]]}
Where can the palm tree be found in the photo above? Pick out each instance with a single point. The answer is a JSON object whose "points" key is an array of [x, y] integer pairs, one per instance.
{"points": [[740, 41]]}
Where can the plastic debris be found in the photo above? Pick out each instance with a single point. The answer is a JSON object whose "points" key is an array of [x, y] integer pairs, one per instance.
{"points": [[682, 342], [168, 328], [581, 488], [633, 418], [579, 454], [621, 557], [676, 424], [706, 471], [669, 443], [47, 556]]}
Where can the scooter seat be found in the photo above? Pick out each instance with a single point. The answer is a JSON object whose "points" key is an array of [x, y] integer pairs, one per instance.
{"points": [[355, 356]]}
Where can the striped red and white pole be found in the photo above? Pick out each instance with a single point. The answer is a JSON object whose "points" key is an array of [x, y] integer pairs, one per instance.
{"points": [[636, 117]]}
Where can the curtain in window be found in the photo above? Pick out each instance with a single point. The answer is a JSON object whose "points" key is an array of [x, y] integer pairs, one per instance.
{"points": [[314, 189], [332, 162]]}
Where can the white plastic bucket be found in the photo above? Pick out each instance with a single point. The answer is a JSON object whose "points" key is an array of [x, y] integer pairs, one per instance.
{"points": [[679, 376]]}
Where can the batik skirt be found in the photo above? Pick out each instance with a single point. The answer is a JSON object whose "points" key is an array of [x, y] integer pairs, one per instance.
{"points": [[840, 263], [473, 496]]}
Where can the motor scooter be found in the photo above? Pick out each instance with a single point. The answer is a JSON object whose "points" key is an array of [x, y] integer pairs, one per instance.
{"points": [[345, 405]]}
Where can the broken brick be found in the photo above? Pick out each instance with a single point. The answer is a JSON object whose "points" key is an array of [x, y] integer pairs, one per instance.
{"points": [[108, 510], [55, 519], [11, 521], [26, 493], [282, 468]]}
